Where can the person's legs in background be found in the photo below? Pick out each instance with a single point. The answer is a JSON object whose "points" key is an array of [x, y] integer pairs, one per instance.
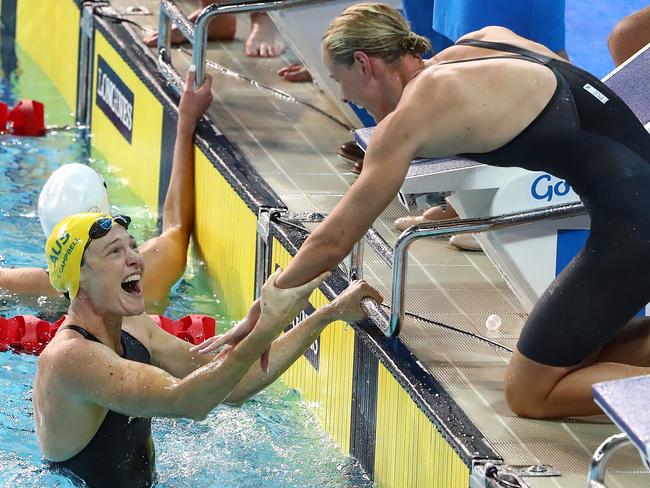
{"points": [[263, 41], [629, 35]]}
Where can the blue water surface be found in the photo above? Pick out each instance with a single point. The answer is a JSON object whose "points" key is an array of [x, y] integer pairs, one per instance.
{"points": [[271, 441]]}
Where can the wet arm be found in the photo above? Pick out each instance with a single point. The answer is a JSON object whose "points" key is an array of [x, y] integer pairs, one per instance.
{"points": [[385, 167], [290, 346], [284, 352], [170, 353], [166, 255], [27, 282], [95, 374]]}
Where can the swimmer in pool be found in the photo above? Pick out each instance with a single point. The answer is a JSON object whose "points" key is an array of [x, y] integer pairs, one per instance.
{"points": [[503, 100], [75, 188], [101, 379]]}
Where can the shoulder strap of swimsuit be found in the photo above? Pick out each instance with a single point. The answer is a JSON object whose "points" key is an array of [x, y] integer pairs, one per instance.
{"points": [[483, 58], [502, 46], [134, 349], [82, 331]]}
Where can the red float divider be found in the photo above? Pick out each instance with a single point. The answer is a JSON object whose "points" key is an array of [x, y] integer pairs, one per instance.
{"points": [[192, 328], [29, 334], [4, 113], [27, 119]]}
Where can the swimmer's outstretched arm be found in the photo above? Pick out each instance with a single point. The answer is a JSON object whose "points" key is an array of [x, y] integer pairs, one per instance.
{"points": [[27, 282], [286, 349], [90, 372], [165, 256], [385, 166]]}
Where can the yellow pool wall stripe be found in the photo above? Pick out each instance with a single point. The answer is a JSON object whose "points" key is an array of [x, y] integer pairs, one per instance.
{"points": [[410, 452], [137, 162], [328, 390], [34, 84], [225, 232], [41, 23]]}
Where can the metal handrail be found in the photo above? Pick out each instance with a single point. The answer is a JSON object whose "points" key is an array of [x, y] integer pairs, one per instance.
{"points": [[434, 229], [197, 33], [596, 477], [446, 229]]}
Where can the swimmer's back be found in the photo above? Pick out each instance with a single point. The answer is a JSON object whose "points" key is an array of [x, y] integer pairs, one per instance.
{"points": [[471, 106]]}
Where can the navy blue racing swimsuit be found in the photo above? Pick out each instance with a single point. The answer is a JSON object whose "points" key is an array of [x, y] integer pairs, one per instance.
{"points": [[121, 453], [588, 136]]}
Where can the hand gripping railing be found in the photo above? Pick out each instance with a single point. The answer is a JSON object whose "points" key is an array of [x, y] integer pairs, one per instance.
{"points": [[445, 229], [197, 33]]}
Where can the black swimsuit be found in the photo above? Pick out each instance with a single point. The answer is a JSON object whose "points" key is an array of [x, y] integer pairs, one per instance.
{"points": [[588, 136], [121, 453]]}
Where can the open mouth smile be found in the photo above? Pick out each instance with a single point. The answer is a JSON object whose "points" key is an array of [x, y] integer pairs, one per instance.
{"points": [[131, 285]]}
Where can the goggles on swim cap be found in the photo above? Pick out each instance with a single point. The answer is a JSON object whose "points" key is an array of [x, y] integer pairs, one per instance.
{"points": [[101, 226], [68, 241]]}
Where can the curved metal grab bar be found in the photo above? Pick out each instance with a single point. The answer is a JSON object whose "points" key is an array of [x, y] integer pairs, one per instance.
{"points": [[445, 229], [197, 33], [596, 477]]}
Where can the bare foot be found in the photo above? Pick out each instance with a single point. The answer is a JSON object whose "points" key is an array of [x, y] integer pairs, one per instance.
{"points": [[221, 28], [404, 223], [433, 214], [295, 72], [441, 212], [264, 40], [465, 242]]}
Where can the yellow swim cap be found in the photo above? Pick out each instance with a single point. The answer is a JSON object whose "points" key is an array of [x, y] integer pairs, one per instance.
{"points": [[67, 242]]}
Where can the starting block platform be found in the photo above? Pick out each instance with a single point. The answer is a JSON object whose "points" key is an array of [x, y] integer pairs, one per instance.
{"points": [[626, 403]]}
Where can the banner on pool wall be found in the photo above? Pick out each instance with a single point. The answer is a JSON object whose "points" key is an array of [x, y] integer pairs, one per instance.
{"points": [[114, 98]]}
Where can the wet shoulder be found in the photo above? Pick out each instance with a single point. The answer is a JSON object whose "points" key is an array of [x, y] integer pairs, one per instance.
{"points": [[434, 84]]}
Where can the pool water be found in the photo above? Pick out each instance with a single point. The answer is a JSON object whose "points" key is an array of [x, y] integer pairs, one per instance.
{"points": [[271, 441]]}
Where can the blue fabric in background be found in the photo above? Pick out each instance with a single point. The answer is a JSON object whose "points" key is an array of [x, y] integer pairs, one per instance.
{"points": [[588, 23], [539, 20], [419, 14]]}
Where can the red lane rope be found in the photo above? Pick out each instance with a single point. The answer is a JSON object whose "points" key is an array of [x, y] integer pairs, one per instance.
{"points": [[28, 334]]}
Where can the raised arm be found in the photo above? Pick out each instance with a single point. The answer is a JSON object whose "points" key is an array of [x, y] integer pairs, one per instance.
{"points": [[165, 256]]}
